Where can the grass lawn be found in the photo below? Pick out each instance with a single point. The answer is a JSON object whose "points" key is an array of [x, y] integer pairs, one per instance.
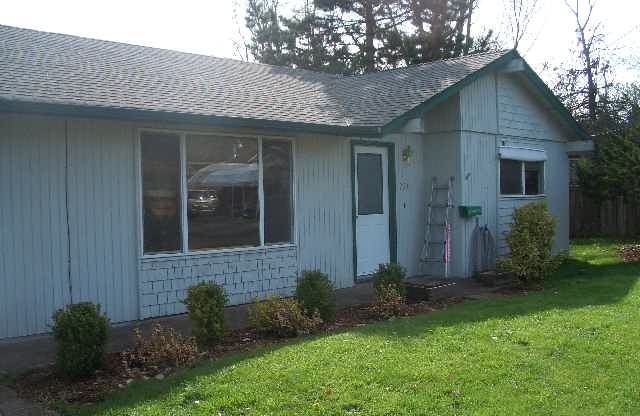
{"points": [[571, 349]]}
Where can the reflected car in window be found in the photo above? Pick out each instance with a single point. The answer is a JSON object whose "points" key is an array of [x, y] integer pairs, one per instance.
{"points": [[203, 202]]}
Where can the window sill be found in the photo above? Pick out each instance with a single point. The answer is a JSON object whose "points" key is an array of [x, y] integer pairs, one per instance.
{"points": [[217, 252], [540, 196]]}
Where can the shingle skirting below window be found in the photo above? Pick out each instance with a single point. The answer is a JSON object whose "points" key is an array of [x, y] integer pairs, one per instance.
{"points": [[245, 274]]}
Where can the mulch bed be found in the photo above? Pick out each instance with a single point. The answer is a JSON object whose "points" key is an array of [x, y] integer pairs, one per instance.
{"points": [[44, 385]]}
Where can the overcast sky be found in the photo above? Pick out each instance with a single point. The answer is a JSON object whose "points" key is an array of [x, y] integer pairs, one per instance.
{"points": [[211, 27]]}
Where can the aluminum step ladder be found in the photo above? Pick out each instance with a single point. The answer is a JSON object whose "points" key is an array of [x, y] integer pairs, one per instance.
{"points": [[437, 236]]}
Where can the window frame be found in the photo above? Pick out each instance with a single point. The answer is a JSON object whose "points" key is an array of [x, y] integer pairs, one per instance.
{"points": [[523, 193], [184, 221]]}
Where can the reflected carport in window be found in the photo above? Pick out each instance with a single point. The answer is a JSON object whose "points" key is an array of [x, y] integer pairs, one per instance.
{"points": [[222, 182]]}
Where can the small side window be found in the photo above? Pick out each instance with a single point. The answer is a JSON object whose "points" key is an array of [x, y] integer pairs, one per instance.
{"points": [[510, 177]]}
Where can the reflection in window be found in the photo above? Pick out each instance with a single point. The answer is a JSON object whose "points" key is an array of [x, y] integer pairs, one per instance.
{"points": [[370, 187], [161, 192], [510, 177], [512, 173], [222, 196], [278, 217], [533, 178]]}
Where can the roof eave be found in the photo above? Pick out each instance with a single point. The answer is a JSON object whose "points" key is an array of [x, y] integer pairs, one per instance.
{"points": [[132, 114], [497, 64]]}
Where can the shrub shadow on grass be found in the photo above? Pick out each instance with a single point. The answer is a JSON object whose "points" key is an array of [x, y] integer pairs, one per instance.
{"points": [[607, 284], [577, 284]]}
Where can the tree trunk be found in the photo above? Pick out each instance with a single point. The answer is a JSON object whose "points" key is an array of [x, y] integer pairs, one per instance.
{"points": [[370, 30]]}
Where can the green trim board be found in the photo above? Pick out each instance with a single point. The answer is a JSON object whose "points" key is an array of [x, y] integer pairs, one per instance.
{"points": [[391, 179], [496, 65], [132, 114]]}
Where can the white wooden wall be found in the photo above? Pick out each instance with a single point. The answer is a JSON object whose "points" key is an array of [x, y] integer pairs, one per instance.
{"points": [[33, 233], [48, 258], [323, 207], [102, 216]]}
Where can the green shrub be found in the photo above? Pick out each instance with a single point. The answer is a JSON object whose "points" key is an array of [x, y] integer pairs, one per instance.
{"points": [[390, 274], [81, 333], [530, 242], [205, 306], [281, 317], [316, 293], [163, 347], [388, 302]]}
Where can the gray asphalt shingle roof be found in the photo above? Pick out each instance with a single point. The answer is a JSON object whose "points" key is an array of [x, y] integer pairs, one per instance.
{"points": [[48, 68]]}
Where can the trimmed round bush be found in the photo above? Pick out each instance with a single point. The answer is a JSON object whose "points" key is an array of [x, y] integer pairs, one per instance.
{"points": [[530, 243], [390, 274], [205, 306], [81, 333], [316, 294]]}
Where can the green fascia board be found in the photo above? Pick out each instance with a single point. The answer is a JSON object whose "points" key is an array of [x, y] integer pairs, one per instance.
{"points": [[72, 110], [499, 63], [391, 179]]}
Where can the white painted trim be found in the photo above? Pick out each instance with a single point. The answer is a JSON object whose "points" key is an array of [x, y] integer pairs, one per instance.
{"points": [[184, 195], [261, 192], [139, 203], [523, 154], [215, 252], [581, 146]]}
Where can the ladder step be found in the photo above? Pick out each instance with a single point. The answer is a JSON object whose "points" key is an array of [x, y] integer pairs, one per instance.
{"points": [[439, 206], [441, 188]]}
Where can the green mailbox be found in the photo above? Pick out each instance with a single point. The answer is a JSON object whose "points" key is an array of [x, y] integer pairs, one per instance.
{"points": [[470, 211]]}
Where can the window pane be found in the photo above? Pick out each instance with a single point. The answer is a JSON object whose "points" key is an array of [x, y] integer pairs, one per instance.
{"points": [[533, 178], [161, 192], [222, 181], [278, 214], [369, 183], [510, 177]]}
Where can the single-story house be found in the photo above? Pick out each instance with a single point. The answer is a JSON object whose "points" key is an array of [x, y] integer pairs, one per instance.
{"points": [[129, 173]]}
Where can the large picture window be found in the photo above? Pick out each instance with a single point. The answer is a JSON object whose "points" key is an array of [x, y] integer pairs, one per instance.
{"points": [[521, 178], [223, 184]]}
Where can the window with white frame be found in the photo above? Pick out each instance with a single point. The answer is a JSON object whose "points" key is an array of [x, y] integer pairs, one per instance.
{"points": [[205, 192], [520, 177]]}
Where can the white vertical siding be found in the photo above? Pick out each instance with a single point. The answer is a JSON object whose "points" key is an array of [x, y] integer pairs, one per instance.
{"points": [[102, 213], [479, 186], [33, 248], [410, 199], [323, 207], [442, 159], [478, 106]]}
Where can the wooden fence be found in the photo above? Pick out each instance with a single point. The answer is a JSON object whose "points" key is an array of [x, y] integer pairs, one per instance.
{"points": [[610, 218]]}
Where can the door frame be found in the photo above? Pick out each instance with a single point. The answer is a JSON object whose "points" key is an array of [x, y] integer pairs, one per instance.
{"points": [[391, 186]]}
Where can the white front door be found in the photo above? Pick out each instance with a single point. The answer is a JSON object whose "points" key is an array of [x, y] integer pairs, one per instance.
{"points": [[372, 208]]}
